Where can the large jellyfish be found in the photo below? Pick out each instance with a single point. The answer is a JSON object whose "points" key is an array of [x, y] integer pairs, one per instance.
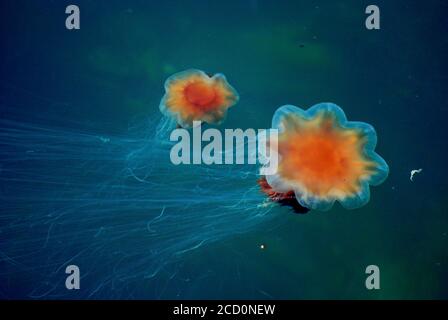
{"points": [[323, 158], [192, 95]]}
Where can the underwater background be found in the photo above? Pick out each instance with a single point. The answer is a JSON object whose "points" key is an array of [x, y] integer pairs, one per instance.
{"points": [[106, 80]]}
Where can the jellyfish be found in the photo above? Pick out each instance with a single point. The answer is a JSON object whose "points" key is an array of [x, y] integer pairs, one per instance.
{"points": [[323, 158], [192, 95]]}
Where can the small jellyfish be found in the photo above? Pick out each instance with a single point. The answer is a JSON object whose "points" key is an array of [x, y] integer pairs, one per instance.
{"points": [[192, 95], [323, 158]]}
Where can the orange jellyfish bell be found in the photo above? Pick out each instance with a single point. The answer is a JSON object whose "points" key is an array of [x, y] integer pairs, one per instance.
{"points": [[192, 95], [323, 158]]}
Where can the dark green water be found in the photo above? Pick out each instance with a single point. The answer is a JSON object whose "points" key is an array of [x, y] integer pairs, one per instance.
{"points": [[110, 73]]}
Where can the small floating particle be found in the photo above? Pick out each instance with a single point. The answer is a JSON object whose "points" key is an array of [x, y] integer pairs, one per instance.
{"points": [[414, 172]]}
